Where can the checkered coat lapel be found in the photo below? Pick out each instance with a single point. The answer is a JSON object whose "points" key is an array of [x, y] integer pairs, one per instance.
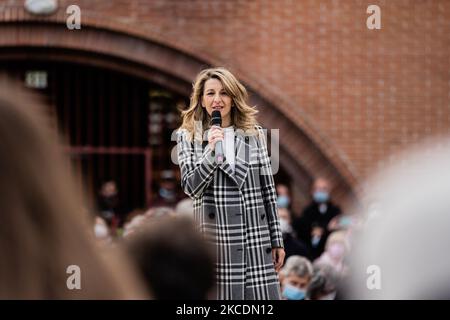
{"points": [[242, 150], [237, 213]]}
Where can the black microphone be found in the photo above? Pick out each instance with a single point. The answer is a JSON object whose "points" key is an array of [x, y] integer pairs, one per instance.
{"points": [[216, 120]]}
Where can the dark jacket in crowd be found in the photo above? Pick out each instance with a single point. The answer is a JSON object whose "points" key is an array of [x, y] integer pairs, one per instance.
{"points": [[312, 217], [294, 246]]}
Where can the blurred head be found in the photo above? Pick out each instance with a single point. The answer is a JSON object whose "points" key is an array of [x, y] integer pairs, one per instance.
{"points": [[109, 189], [321, 190], [282, 190], [296, 275], [285, 220], [158, 212], [45, 227], [185, 208], [284, 214], [218, 87], [167, 187], [139, 220], [101, 228], [134, 224], [283, 199], [337, 245], [401, 251], [324, 283], [173, 258]]}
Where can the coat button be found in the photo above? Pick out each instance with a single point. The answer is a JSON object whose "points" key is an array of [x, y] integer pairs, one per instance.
{"points": [[211, 215], [246, 139], [268, 250], [263, 216]]}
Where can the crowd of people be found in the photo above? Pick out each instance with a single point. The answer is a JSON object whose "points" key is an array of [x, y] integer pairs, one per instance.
{"points": [[316, 242]]}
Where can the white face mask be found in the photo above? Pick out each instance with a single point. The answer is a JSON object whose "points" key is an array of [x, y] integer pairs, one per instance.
{"points": [[101, 231], [285, 226]]}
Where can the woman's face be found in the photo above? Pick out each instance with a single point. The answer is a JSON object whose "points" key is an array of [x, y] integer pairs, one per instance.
{"points": [[216, 98]]}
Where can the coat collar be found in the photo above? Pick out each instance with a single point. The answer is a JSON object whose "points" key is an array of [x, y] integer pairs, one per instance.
{"points": [[242, 150]]}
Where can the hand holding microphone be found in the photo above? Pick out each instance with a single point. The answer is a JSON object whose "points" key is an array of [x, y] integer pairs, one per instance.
{"points": [[216, 136]]}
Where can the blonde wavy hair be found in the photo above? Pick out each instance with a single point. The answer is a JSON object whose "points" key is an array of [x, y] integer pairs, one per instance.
{"points": [[243, 116]]}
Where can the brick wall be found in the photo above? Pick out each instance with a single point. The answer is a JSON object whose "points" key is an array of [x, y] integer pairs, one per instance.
{"points": [[366, 93]]}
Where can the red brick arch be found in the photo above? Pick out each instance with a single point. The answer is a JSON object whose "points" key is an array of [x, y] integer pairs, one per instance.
{"points": [[145, 53]]}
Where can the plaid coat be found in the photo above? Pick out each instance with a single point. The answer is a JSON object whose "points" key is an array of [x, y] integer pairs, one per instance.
{"points": [[237, 212]]}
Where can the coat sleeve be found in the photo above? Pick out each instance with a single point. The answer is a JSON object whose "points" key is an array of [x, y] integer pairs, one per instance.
{"points": [[268, 191], [197, 166]]}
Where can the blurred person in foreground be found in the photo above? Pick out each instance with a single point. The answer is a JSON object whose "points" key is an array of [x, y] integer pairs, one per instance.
{"points": [[185, 208], [312, 225], [401, 251], [139, 220], [173, 258], [44, 226]]}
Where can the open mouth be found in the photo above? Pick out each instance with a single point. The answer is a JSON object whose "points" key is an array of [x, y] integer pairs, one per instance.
{"points": [[217, 108]]}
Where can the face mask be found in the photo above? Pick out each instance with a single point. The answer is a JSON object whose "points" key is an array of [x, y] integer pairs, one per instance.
{"points": [[321, 196], [100, 231], [336, 251], [283, 201], [345, 222], [315, 240], [285, 226], [167, 194], [293, 293]]}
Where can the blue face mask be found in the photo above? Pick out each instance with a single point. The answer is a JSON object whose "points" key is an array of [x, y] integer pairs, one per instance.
{"points": [[315, 241], [167, 194], [283, 202], [321, 196], [293, 293], [345, 221]]}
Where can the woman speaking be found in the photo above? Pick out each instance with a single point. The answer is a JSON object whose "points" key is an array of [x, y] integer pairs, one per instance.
{"points": [[234, 200]]}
